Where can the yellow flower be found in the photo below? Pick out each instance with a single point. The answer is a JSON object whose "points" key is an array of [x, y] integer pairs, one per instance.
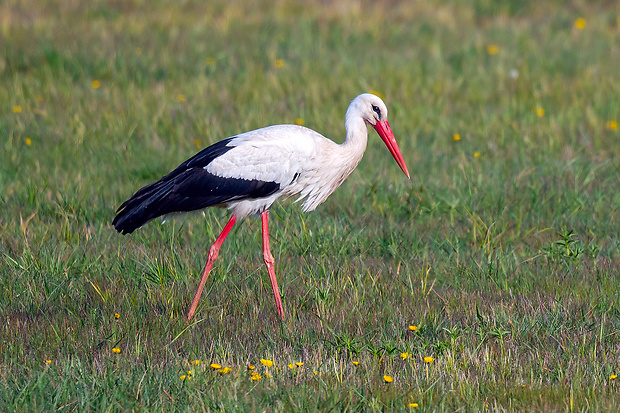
{"points": [[374, 92], [267, 375], [299, 122], [96, 84], [256, 377], [117, 315], [251, 367], [291, 366], [580, 23], [613, 377], [413, 328], [183, 377], [476, 154], [428, 359], [266, 363], [540, 112], [413, 405], [48, 361], [456, 137], [492, 49], [116, 350], [197, 362], [279, 63], [17, 109], [225, 370], [215, 366], [388, 379], [299, 364], [28, 141], [404, 355], [210, 61], [355, 363], [612, 125], [316, 373], [181, 98], [190, 372]]}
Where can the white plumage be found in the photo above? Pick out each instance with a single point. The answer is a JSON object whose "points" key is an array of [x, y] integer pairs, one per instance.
{"points": [[247, 173]]}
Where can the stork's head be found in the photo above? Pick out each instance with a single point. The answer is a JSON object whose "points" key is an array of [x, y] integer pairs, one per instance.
{"points": [[374, 112]]}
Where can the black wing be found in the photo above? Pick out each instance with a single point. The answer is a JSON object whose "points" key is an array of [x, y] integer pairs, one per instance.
{"points": [[188, 188]]}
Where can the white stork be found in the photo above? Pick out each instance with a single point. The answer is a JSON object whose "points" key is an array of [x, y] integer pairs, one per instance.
{"points": [[248, 172]]}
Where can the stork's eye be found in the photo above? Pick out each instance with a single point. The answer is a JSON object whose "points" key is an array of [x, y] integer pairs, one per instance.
{"points": [[377, 110]]}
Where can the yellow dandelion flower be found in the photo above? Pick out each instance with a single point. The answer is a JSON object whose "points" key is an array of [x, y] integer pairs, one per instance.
{"points": [[181, 98], [266, 363], [210, 61], [299, 122], [476, 154], [428, 359], [190, 372], [28, 141], [523, 386], [17, 109], [540, 112], [580, 23], [48, 361], [374, 92], [492, 49], [215, 366], [612, 125], [95, 84], [267, 375], [413, 405], [251, 367], [404, 356], [117, 315], [256, 377], [197, 143], [299, 364], [355, 363], [413, 328], [388, 379], [291, 366], [116, 350], [225, 370], [183, 377], [197, 362], [279, 63], [613, 377], [456, 137]]}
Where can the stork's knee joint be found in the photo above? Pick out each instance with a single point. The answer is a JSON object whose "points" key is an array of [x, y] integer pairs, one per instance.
{"points": [[213, 253], [268, 258]]}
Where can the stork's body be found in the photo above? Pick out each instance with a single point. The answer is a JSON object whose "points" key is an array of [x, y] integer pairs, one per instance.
{"points": [[247, 173]]}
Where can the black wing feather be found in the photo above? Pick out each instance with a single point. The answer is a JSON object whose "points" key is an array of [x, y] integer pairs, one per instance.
{"points": [[187, 188]]}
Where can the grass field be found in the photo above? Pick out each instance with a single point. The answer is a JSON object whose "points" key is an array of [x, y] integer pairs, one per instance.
{"points": [[503, 250]]}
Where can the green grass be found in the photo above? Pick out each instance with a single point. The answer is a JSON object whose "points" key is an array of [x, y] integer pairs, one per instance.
{"points": [[508, 262]]}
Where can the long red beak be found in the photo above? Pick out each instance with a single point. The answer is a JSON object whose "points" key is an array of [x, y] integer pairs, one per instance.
{"points": [[384, 130]]}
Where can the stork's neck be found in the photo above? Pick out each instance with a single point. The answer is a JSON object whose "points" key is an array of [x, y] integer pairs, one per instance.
{"points": [[357, 135]]}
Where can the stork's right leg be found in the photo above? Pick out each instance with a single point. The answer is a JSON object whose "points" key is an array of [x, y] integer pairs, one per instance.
{"points": [[213, 253], [269, 261]]}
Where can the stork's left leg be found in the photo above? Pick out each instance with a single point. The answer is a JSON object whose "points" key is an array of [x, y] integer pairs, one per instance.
{"points": [[269, 261]]}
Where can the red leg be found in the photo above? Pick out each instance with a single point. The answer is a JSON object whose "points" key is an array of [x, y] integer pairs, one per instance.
{"points": [[213, 253], [269, 263]]}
